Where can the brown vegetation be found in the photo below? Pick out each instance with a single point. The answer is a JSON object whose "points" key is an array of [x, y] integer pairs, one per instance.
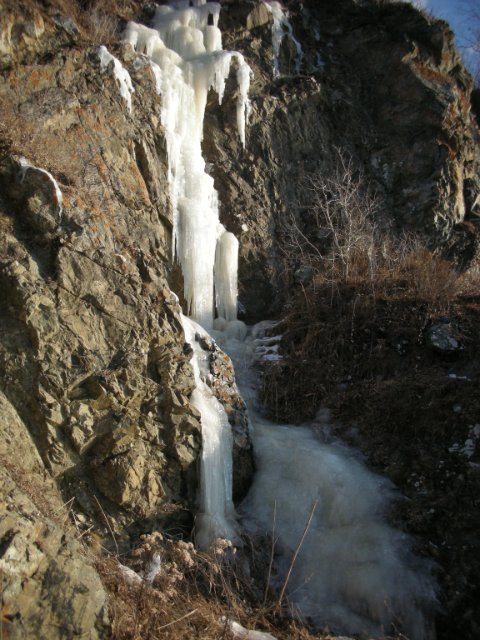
{"points": [[194, 595], [356, 340]]}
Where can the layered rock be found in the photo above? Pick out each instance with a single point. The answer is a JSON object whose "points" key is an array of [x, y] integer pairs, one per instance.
{"points": [[93, 356], [95, 372], [381, 83]]}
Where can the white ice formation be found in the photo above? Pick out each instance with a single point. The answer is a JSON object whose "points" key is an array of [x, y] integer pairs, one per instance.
{"points": [[58, 196], [121, 75], [239, 632], [282, 27], [226, 267], [216, 515], [185, 49], [354, 573]]}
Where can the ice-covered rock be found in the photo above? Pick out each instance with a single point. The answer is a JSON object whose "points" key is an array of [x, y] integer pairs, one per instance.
{"points": [[121, 75]]}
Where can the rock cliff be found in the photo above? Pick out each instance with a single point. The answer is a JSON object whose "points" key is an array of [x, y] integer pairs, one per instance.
{"points": [[97, 432]]}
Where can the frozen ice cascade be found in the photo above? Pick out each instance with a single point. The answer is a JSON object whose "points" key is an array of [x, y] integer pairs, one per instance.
{"points": [[282, 27], [216, 517], [353, 572], [184, 46]]}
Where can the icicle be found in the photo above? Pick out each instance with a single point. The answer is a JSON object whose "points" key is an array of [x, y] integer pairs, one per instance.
{"points": [[216, 517], [243, 103], [226, 265]]}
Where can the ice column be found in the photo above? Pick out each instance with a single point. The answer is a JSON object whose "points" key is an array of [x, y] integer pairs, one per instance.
{"points": [[226, 265], [216, 516], [185, 49]]}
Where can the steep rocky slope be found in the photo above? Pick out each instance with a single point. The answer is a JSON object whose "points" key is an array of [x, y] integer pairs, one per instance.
{"points": [[96, 423]]}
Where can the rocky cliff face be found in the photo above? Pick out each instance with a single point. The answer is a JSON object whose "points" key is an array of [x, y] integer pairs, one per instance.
{"points": [[381, 83], [95, 373]]}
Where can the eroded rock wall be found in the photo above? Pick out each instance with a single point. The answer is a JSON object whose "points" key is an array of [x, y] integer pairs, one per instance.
{"points": [[379, 82], [94, 367], [95, 372]]}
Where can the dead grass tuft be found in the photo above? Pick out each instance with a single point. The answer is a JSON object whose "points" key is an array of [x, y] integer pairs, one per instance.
{"points": [[194, 594]]}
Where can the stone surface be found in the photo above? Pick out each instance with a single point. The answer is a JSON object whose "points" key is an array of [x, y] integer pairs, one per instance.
{"points": [[94, 370], [381, 82], [48, 580], [443, 337]]}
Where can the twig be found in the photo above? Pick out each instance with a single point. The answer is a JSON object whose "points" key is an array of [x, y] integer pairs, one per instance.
{"points": [[271, 553], [294, 557], [108, 525], [187, 615]]}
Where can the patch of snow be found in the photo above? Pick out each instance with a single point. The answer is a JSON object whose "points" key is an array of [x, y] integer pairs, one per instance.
{"points": [[25, 166], [130, 575], [121, 75], [153, 568], [469, 447], [241, 633]]}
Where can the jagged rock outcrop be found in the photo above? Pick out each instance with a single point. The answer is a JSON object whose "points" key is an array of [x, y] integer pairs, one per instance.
{"points": [[93, 356], [380, 82], [49, 585], [95, 373]]}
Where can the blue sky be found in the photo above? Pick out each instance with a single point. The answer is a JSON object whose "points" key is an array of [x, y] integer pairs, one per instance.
{"points": [[456, 13]]}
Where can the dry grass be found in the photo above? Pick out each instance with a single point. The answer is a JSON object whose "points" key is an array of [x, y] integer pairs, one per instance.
{"points": [[357, 328], [97, 20], [194, 594]]}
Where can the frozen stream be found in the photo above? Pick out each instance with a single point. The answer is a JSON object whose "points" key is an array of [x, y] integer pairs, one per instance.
{"points": [[354, 573]]}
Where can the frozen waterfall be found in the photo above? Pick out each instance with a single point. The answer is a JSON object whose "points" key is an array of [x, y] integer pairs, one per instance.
{"points": [[353, 573], [216, 515], [185, 49], [282, 27]]}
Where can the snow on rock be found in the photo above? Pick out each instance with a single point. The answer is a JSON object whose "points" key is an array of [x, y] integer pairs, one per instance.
{"points": [[153, 568], [130, 575], [58, 196], [241, 633], [441, 337], [469, 447], [121, 75]]}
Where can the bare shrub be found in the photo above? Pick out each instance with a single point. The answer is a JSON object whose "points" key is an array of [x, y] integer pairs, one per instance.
{"points": [[102, 25], [340, 234], [335, 231], [370, 297]]}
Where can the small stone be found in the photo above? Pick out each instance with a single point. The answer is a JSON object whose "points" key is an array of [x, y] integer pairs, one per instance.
{"points": [[440, 337]]}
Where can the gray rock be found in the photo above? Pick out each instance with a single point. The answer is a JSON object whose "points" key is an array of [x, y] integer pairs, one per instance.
{"points": [[441, 338]]}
